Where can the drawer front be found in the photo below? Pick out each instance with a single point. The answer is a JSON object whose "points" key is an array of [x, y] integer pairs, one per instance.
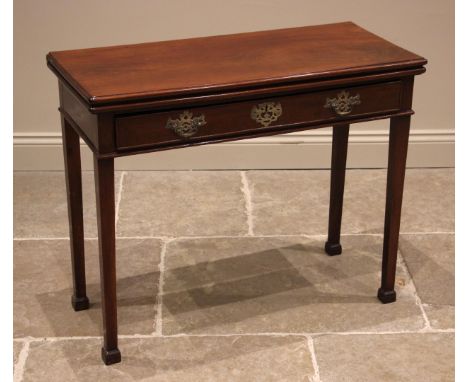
{"points": [[217, 121]]}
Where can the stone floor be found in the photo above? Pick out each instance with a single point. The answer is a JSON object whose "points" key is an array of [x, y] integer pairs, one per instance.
{"points": [[222, 277]]}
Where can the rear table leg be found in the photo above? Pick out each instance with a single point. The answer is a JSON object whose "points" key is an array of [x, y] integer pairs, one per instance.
{"points": [[338, 171]]}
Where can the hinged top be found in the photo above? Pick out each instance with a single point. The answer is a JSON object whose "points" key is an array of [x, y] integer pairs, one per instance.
{"points": [[130, 73]]}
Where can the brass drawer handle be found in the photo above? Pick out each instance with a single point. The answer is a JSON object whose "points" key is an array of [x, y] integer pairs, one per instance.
{"points": [[186, 125], [343, 103], [266, 113]]}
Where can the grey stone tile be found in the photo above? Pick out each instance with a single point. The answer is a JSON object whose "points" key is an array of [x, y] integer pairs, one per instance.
{"points": [[289, 202], [430, 259], [386, 357], [440, 316], [429, 201], [42, 288], [253, 285], [364, 201], [40, 204], [295, 202], [182, 204], [211, 203], [174, 359]]}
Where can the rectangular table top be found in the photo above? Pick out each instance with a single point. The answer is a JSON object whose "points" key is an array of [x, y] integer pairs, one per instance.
{"points": [[129, 73]]}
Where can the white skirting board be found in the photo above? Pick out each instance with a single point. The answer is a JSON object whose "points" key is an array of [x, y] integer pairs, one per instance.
{"points": [[302, 150]]}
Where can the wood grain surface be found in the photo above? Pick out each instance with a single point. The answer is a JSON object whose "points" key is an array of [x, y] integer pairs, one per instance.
{"points": [[129, 73]]}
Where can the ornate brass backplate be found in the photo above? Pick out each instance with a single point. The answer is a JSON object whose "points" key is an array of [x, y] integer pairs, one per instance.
{"points": [[266, 113], [343, 103], [186, 125]]}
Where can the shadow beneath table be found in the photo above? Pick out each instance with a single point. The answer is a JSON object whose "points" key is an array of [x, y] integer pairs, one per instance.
{"points": [[259, 288], [136, 298], [251, 287]]}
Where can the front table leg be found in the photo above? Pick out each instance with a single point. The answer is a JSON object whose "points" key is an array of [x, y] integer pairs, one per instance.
{"points": [[104, 179], [398, 147], [71, 154]]}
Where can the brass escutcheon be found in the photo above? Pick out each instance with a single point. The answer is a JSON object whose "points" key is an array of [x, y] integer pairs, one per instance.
{"points": [[266, 113], [343, 103], [186, 125]]}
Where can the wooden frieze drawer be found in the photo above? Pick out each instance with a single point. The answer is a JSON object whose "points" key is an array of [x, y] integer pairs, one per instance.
{"points": [[211, 122]]}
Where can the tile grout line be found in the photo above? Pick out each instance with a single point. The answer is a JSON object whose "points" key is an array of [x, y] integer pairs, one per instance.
{"points": [[294, 334], [429, 233], [248, 202], [41, 238], [18, 370], [260, 334], [427, 324], [313, 356], [230, 236], [119, 198], [159, 298], [428, 304]]}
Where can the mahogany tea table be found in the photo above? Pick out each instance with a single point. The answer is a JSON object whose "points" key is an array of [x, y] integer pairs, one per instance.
{"points": [[134, 99]]}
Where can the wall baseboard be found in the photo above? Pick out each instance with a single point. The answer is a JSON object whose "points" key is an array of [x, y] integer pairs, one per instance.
{"points": [[309, 149]]}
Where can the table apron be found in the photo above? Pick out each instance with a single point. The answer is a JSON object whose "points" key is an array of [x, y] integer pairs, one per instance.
{"points": [[256, 117]]}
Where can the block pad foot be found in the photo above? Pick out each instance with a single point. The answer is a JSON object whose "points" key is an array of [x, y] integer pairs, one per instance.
{"points": [[332, 249], [386, 296], [80, 303], [110, 357]]}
